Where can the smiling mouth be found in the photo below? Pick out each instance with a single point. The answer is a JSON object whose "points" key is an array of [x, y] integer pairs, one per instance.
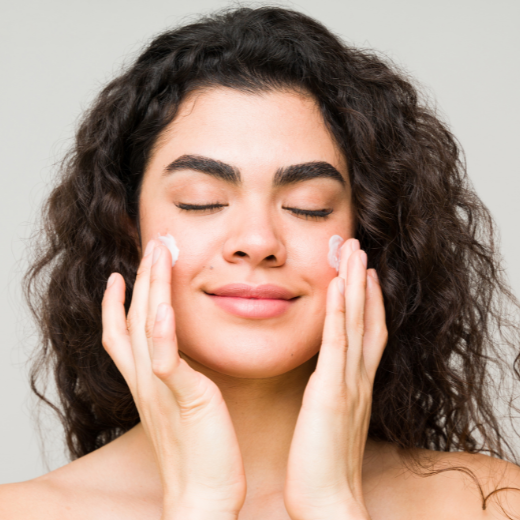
{"points": [[250, 297], [259, 308]]}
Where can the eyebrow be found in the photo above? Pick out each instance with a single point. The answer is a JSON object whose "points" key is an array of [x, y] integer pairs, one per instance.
{"points": [[284, 176], [199, 163], [306, 171]]}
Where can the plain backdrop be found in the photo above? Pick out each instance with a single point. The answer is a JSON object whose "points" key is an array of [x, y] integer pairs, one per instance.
{"points": [[56, 55]]}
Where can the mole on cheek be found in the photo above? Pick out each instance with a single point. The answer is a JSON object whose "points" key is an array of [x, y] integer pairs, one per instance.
{"points": [[335, 242], [170, 243]]}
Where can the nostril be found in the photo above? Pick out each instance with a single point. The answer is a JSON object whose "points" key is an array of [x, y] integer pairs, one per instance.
{"points": [[240, 253], [270, 257]]}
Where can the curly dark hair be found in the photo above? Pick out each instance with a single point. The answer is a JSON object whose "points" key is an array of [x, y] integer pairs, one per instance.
{"points": [[424, 229]]}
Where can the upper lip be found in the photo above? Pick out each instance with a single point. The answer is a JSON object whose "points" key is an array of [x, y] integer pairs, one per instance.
{"points": [[242, 290]]}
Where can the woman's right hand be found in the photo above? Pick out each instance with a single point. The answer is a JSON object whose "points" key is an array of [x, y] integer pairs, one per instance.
{"points": [[182, 411]]}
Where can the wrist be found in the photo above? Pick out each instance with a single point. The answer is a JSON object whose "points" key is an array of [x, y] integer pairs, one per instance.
{"points": [[340, 511], [192, 513], [352, 511], [181, 509]]}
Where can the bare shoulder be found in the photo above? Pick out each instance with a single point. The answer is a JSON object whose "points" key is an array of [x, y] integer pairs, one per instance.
{"points": [[476, 486], [107, 484], [458, 486], [66, 493], [38, 499]]}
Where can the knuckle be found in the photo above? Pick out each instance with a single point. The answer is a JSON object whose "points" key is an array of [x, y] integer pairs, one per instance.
{"points": [[356, 326], [157, 334], [356, 283], [108, 340], [338, 311], [360, 390], [339, 338], [378, 332], [334, 339], [154, 276], [159, 279], [162, 369], [133, 320], [142, 270], [383, 335], [353, 390], [149, 329]]}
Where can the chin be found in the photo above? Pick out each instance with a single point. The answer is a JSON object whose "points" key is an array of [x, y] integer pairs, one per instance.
{"points": [[240, 357]]}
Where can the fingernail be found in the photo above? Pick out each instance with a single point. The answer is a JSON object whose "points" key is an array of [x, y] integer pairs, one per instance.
{"points": [[355, 245], [161, 312], [156, 255], [111, 280], [364, 258], [149, 248], [341, 285], [373, 272]]}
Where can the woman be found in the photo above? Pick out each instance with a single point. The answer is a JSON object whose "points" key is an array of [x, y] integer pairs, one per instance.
{"points": [[302, 291]]}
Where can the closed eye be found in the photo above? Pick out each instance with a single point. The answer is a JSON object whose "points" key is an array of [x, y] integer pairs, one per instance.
{"points": [[306, 213], [310, 214], [200, 207]]}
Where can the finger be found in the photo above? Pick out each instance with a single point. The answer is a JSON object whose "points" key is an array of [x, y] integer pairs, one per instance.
{"points": [[331, 359], [136, 320], [376, 333], [174, 372], [346, 250], [115, 339], [355, 292], [160, 288], [165, 357]]}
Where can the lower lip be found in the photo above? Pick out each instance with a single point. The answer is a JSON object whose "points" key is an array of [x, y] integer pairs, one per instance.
{"points": [[252, 307]]}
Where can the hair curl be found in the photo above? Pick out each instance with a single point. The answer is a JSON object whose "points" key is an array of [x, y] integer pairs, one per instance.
{"points": [[424, 229]]}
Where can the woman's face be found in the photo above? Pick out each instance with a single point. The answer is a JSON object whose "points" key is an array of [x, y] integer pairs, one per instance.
{"points": [[258, 163]]}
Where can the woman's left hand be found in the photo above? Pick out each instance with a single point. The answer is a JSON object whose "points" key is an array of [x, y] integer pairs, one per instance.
{"points": [[326, 456]]}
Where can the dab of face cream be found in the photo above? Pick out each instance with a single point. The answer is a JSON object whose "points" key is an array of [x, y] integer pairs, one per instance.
{"points": [[169, 242], [335, 243]]}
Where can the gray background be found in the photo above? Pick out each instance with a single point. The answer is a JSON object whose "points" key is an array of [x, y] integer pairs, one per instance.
{"points": [[55, 56]]}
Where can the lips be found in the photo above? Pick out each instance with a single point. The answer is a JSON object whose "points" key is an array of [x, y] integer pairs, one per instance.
{"points": [[242, 290], [260, 302]]}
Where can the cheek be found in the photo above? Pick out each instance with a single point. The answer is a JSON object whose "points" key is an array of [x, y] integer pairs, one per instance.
{"points": [[199, 265], [317, 259], [191, 248]]}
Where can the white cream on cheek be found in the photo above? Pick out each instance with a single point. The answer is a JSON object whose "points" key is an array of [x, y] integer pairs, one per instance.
{"points": [[169, 242], [333, 257], [335, 243]]}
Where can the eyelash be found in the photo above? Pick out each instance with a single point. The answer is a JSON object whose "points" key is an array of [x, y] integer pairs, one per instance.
{"points": [[308, 214], [195, 207]]}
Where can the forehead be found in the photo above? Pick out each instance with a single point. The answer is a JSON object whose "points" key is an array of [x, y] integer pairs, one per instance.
{"points": [[259, 131]]}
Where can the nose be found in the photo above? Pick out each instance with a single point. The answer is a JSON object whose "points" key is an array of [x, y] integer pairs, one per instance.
{"points": [[254, 239]]}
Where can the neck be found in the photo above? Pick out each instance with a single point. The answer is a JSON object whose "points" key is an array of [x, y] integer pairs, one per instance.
{"points": [[264, 413]]}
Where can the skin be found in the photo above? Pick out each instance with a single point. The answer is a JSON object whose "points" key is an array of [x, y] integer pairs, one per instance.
{"points": [[251, 418]]}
